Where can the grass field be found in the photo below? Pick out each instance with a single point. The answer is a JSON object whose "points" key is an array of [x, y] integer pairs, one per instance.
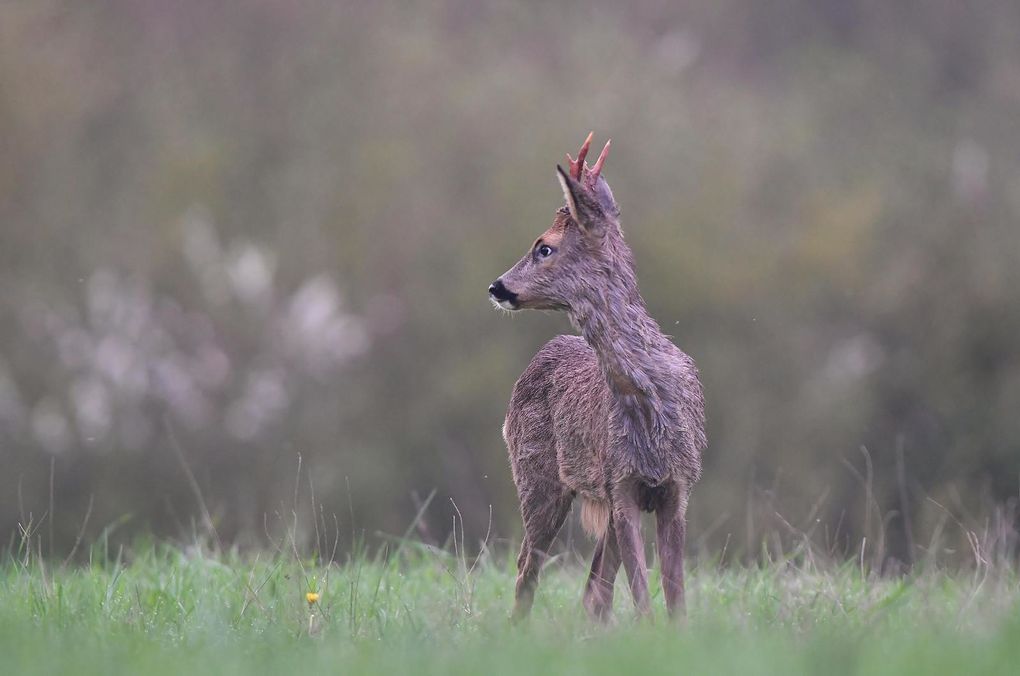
{"points": [[166, 610]]}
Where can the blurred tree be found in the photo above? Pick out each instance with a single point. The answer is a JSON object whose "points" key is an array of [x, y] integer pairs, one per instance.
{"points": [[269, 228]]}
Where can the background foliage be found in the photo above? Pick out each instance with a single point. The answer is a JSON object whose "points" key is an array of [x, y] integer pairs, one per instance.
{"points": [[236, 232]]}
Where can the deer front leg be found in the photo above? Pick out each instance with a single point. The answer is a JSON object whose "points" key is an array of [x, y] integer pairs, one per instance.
{"points": [[605, 562], [627, 519], [671, 531]]}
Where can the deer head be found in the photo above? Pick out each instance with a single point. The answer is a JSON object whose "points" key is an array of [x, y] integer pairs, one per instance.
{"points": [[567, 260]]}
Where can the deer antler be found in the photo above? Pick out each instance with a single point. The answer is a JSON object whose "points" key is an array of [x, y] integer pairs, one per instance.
{"points": [[577, 166], [597, 169], [579, 169]]}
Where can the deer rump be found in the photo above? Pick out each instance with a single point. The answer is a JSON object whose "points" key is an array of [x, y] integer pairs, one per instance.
{"points": [[596, 514], [557, 430]]}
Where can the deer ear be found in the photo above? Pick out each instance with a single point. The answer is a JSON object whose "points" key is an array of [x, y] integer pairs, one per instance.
{"points": [[585, 211]]}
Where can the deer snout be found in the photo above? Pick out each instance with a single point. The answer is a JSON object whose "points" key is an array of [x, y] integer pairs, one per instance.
{"points": [[502, 296]]}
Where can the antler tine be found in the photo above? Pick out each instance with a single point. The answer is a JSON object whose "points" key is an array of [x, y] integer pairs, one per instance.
{"points": [[576, 166], [597, 169]]}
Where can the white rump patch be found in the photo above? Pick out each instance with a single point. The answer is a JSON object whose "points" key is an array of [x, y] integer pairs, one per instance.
{"points": [[594, 517]]}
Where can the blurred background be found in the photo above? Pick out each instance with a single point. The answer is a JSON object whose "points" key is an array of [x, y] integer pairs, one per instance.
{"points": [[236, 233]]}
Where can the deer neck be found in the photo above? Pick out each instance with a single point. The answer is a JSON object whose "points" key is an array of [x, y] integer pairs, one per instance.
{"points": [[627, 341]]}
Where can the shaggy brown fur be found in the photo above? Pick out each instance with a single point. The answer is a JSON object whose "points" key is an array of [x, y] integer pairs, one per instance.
{"points": [[615, 415]]}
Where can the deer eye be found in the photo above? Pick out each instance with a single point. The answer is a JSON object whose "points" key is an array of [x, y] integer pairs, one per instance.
{"points": [[544, 251]]}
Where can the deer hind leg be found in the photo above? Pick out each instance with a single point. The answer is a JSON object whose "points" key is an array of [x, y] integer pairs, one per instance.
{"points": [[605, 563], [544, 509], [671, 531], [627, 522]]}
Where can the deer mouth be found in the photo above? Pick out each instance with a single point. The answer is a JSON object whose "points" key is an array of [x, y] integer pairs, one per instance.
{"points": [[502, 297], [503, 305]]}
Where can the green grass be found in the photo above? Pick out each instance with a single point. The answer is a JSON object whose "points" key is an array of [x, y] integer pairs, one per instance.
{"points": [[163, 610]]}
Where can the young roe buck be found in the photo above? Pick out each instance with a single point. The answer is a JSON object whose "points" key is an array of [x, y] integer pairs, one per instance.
{"points": [[615, 415]]}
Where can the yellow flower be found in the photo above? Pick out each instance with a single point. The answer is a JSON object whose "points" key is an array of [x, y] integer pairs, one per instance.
{"points": [[312, 597]]}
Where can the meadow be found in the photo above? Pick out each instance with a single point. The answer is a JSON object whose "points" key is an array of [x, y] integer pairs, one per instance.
{"points": [[156, 608]]}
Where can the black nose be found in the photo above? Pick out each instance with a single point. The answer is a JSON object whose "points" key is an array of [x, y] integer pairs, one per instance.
{"points": [[500, 292]]}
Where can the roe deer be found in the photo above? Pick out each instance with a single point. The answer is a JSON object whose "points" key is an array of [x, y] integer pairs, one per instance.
{"points": [[615, 415]]}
